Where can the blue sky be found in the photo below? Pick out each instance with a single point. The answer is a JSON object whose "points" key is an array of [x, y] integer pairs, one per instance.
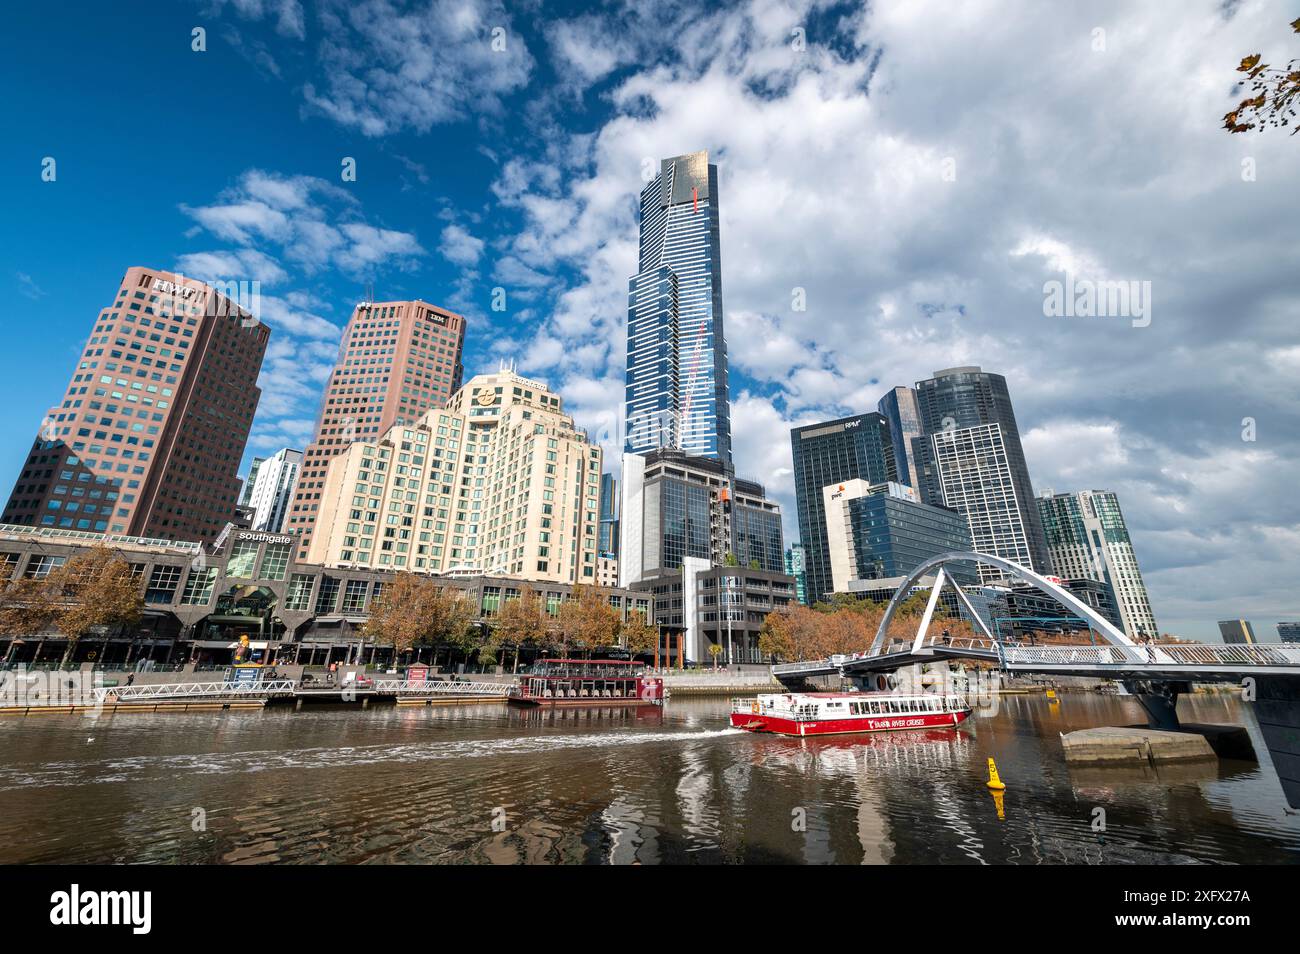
{"points": [[916, 171]]}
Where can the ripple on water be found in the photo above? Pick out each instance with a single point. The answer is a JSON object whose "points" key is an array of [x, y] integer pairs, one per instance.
{"points": [[424, 785]]}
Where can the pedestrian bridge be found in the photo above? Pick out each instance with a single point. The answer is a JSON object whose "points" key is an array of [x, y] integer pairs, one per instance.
{"points": [[1194, 662], [1116, 656], [1154, 673]]}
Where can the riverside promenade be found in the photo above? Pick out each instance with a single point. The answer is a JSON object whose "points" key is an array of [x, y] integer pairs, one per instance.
{"points": [[39, 691]]}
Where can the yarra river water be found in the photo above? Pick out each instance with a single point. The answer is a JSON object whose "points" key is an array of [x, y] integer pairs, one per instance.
{"points": [[605, 786]]}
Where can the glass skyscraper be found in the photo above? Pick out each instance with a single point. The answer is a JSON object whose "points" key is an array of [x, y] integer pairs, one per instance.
{"points": [[899, 409], [607, 542], [969, 458], [1088, 539], [828, 453], [794, 567], [676, 385]]}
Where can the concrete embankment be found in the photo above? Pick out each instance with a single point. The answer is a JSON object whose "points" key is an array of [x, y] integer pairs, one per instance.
{"points": [[1140, 744]]}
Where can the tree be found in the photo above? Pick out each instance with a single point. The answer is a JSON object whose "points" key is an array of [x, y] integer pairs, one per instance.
{"points": [[715, 651], [522, 621], [731, 560], [791, 633], [587, 620], [414, 610], [400, 616], [26, 607], [451, 617], [94, 589], [637, 635], [1277, 94]]}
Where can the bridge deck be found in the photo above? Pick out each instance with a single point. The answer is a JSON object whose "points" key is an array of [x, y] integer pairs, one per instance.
{"points": [[1200, 663]]}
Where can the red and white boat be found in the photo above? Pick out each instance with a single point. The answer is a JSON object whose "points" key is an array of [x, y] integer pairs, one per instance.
{"points": [[837, 713]]}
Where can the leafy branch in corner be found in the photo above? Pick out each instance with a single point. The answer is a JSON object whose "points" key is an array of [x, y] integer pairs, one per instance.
{"points": [[1276, 95]]}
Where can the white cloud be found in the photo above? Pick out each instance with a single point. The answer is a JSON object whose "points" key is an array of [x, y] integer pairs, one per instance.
{"points": [[315, 224], [459, 247], [392, 66], [920, 176]]}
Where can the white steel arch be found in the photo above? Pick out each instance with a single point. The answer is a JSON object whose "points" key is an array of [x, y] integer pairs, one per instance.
{"points": [[1111, 633]]}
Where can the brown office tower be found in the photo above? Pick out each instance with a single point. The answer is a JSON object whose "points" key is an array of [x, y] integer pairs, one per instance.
{"points": [[148, 438], [397, 360]]}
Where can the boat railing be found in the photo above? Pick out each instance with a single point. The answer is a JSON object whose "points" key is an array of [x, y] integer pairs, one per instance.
{"points": [[784, 708]]}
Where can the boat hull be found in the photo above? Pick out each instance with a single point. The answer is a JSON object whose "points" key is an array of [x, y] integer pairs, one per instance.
{"points": [[530, 702], [755, 722]]}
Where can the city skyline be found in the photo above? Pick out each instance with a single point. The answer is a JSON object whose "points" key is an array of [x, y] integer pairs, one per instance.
{"points": [[1157, 414]]}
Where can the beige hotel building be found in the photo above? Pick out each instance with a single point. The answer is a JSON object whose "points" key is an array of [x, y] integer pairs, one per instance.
{"points": [[500, 482], [397, 359]]}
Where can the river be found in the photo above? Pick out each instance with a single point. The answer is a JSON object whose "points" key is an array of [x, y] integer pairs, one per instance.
{"points": [[486, 784]]}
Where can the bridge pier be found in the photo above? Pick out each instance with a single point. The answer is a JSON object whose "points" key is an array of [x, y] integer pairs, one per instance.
{"points": [[1160, 700], [1277, 710]]}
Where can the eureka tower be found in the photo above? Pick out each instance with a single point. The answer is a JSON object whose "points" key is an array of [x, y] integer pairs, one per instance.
{"points": [[676, 387]]}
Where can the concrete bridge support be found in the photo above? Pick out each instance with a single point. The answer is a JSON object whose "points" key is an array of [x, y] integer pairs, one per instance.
{"points": [[1160, 700]]}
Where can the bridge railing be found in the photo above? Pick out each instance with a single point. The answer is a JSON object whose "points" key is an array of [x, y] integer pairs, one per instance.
{"points": [[442, 688], [195, 690], [1064, 656], [1141, 656], [803, 666], [1258, 654]]}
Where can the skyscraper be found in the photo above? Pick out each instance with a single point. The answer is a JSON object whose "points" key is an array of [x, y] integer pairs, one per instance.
{"points": [[1236, 631], [881, 531], [677, 507], [397, 359], [825, 454], [794, 567], [676, 386], [899, 409], [271, 482], [1088, 540], [608, 543], [969, 458], [148, 438], [247, 491]]}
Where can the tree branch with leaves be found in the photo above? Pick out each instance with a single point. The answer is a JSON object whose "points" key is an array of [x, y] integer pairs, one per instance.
{"points": [[1276, 95]]}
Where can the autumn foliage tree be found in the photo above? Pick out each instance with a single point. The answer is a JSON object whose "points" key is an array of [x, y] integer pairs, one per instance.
{"points": [[25, 607], [414, 610], [586, 619], [1276, 94], [94, 589], [637, 635], [845, 625], [520, 622]]}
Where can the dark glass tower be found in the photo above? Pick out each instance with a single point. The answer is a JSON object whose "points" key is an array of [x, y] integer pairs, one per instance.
{"points": [[676, 386], [899, 409], [824, 454], [607, 542], [966, 414]]}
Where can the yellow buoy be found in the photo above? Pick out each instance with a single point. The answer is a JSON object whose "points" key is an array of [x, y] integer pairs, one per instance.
{"points": [[995, 781], [1051, 693]]}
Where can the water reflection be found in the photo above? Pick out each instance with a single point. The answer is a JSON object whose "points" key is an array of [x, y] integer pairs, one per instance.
{"points": [[615, 786]]}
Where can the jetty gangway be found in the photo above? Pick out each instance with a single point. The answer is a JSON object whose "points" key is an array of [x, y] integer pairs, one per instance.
{"points": [[196, 690], [440, 687]]}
